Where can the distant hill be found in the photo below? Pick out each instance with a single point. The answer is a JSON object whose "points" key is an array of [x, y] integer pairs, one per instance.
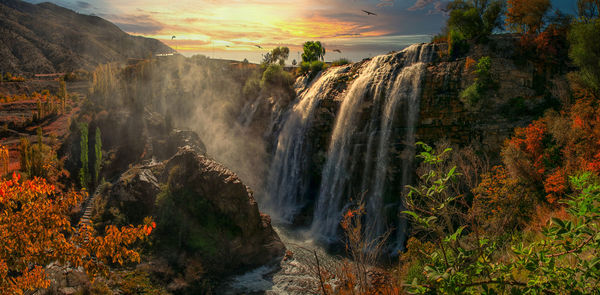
{"points": [[46, 38]]}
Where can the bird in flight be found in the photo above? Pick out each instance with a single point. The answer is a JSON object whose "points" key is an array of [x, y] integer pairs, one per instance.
{"points": [[258, 46], [368, 12], [173, 37], [337, 50]]}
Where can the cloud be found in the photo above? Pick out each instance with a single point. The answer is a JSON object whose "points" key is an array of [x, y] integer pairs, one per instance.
{"points": [[136, 24], [438, 6], [83, 5], [385, 3]]}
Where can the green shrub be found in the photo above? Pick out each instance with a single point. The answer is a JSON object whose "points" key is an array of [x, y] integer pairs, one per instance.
{"points": [[473, 94], [274, 75], [312, 68], [252, 87], [457, 44], [340, 62]]}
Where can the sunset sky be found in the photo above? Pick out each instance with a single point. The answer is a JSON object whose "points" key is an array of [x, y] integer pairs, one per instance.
{"points": [[231, 29]]}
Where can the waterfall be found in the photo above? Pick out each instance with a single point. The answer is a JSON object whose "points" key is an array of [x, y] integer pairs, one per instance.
{"points": [[386, 82], [287, 181], [249, 110]]}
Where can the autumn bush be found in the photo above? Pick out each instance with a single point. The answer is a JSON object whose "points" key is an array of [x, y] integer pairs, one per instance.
{"points": [[471, 260], [35, 230], [503, 202]]}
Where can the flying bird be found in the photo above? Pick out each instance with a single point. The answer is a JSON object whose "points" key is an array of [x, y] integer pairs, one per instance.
{"points": [[258, 46], [227, 46], [337, 50], [368, 12], [172, 37]]}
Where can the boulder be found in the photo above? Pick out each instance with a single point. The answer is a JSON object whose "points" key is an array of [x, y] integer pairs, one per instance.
{"points": [[233, 234], [205, 215]]}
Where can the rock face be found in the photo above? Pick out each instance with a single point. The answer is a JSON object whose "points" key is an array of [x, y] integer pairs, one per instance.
{"points": [[204, 191], [520, 96]]}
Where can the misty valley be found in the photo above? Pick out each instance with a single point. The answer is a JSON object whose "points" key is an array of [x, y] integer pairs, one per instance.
{"points": [[136, 161]]}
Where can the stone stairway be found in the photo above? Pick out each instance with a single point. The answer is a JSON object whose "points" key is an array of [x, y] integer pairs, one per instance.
{"points": [[87, 208]]}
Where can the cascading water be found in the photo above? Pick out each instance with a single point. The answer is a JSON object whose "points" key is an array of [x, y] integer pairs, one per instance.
{"points": [[287, 176], [388, 82]]}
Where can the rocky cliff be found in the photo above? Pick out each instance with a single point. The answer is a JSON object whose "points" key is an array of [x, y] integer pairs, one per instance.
{"points": [[520, 96], [366, 117]]}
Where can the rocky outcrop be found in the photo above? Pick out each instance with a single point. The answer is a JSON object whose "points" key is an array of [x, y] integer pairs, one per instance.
{"points": [[204, 191], [205, 216]]}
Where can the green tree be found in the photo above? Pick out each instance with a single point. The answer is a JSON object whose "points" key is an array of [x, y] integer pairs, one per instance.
{"points": [[277, 56], [62, 93], [25, 152], [313, 51], [475, 19], [84, 171], [585, 51], [98, 155]]}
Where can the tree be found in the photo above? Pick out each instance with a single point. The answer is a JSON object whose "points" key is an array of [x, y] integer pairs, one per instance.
{"points": [[97, 155], [475, 19], [84, 171], [4, 160], [588, 9], [35, 230], [527, 16], [277, 56], [313, 51], [585, 52], [62, 93]]}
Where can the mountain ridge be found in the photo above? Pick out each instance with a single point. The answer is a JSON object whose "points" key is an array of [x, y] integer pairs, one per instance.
{"points": [[47, 38]]}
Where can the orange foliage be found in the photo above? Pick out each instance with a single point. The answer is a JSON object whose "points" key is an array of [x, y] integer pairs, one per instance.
{"points": [[44, 96], [526, 16], [35, 230], [469, 63], [549, 149], [501, 201], [529, 140], [555, 185]]}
